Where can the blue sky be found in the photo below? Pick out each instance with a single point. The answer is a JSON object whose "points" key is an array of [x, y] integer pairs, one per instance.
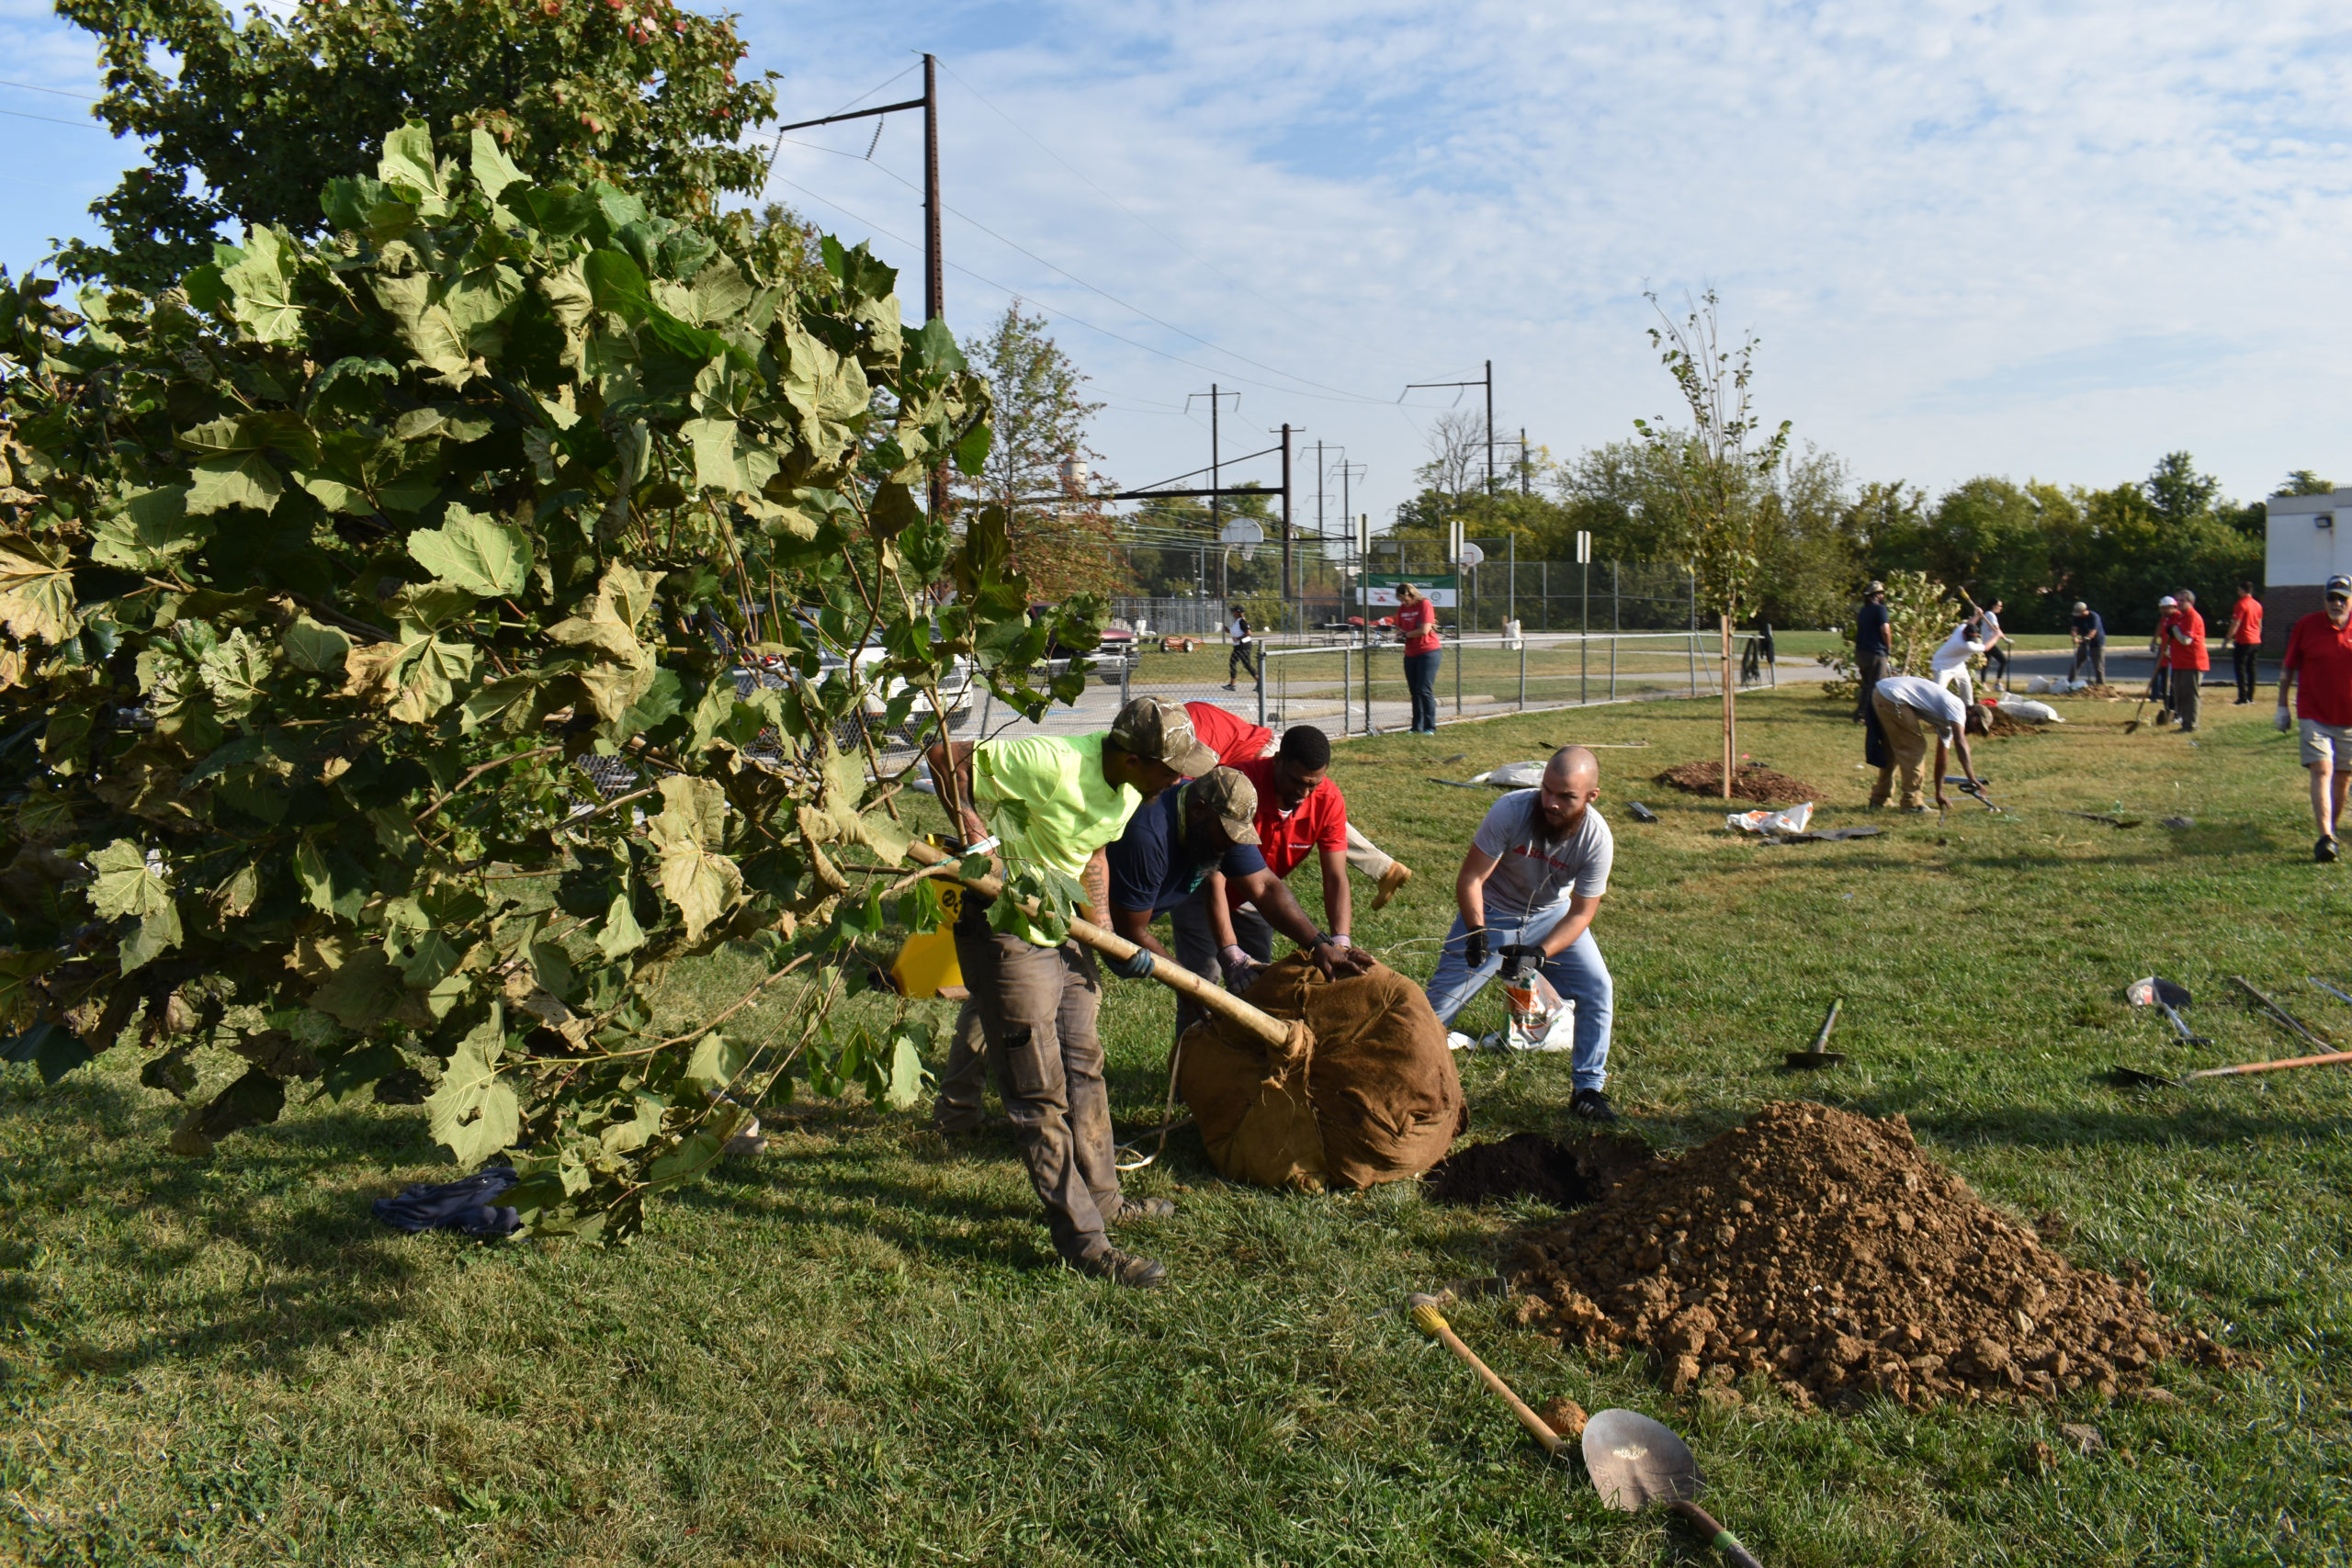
{"points": [[2044, 241]]}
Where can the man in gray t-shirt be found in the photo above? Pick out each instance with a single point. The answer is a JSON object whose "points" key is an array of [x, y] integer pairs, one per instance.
{"points": [[1533, 879]]}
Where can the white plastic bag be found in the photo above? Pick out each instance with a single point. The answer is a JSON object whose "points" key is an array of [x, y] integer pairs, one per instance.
{"points": [[1540, 1019], [1789, 820], [2027, 712], [2042, 684]]}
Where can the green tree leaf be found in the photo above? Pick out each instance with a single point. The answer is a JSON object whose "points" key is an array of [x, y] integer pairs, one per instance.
{"points": [[474, 1113], [36, 592], [313, 648], [479, 553], [151, 531], [261, 288], [247, 479], [126, 884]]}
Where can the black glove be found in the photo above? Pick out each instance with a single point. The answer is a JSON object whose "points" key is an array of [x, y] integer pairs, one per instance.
{"points": [[1519, 958], [1137, 967], [1474, 948]]}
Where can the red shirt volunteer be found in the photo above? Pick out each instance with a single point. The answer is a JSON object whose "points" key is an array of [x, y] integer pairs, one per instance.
{"points": [[1235, 739], [2189, 655], [2320, 658], [2248, 614], [1287, 838], [1417, 624]]}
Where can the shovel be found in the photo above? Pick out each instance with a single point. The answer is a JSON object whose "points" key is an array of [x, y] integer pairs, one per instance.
{"points": [[2280, 1015], [2331, 991], [1636, 1460], [2130, 1077], [1817, 1058], [2160, 993]]}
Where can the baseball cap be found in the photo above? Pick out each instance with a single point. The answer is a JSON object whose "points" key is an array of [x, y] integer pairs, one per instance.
{"points": [[2080, 606], [1233, 799], [1875, 588], [2339, 583], [1151, 728], [2168, 602]]}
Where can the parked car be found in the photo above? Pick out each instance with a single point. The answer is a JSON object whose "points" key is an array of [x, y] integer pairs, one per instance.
{"points": [[1114, 657]]}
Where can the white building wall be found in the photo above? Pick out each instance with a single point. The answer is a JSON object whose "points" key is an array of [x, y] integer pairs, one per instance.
{"points": [[2298, 551]]}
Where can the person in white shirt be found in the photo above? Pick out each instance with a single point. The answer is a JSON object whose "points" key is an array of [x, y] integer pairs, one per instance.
{"points": [[1910, 707], [1244, 654], [1948, 663], [1997, 648]]}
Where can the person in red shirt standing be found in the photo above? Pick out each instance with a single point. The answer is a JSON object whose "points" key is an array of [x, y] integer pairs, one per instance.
{"points": [[2246, 642], [1417, 624], [2185, 657], [2319, 655], [2160, 679], [1236, 740]]}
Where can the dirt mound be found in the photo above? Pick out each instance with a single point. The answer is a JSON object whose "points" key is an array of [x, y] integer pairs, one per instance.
{"points": [[1997, 725], [1753, 782], [1822, 1249], [1527, 1165]]}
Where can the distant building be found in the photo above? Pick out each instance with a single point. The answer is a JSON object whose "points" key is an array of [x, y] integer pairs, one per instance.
{"points": [[2306, 547]]}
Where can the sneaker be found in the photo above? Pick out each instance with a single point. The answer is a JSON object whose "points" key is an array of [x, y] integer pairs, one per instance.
{"points": [[1912, 810], [1228, 685], [1591, 1105], [1123, 1268], [2325, 850], [1140, 1209], [1391, 881]]}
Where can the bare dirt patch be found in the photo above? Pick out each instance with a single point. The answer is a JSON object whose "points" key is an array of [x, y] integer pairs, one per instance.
{"points": [[1528, 1165], [1821, 1250], [1753, 782]]}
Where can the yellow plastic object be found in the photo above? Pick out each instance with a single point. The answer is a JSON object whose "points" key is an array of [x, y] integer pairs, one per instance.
{"points": [[928, 961]]}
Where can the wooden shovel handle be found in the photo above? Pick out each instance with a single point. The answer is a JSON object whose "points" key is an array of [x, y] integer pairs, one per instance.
{"points": [[1721, 1539], [1175, 976], [1433, 1322]]}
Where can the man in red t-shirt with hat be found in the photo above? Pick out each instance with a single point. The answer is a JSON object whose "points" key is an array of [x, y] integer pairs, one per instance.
{"points": [[2246, 642], [2183, 640], [1236, 740], [2319, 658]]}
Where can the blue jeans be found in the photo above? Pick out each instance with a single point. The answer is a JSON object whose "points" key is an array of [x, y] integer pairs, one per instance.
{"points": [[1580, 974], [1421, 679]]}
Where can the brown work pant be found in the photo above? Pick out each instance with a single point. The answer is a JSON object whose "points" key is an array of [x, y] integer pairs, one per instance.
{"points": [[1036, 1007], [1906, 735]]}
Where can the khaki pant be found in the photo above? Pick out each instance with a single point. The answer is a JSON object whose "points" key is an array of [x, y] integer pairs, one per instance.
{"points": [[1036, 1006], [1907, 737]]}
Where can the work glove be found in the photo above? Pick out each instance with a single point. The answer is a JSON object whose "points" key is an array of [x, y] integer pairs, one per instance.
{"points": [[1137, 967], [2284, 721], [1519, 958], [1474, 948], [1239, 969]]}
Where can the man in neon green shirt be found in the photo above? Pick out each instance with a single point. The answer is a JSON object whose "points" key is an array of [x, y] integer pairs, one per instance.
{"points": [[1057, 801]]}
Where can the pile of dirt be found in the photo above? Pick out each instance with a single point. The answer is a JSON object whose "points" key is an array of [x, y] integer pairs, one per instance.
{"points": [[1753, 782], [1822, 1249], [1997, 725], [1528, 1165]]}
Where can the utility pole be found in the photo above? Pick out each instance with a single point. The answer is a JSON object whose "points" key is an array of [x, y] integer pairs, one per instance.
{"points": [[1286, 561], [1523, 465], [935, 291], [1487, 381], [1216, 396]]}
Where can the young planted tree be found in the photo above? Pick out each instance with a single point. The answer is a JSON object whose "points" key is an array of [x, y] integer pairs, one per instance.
{"points": [[322, 571], [246, 120], [1065, 546], [1719, 480]]}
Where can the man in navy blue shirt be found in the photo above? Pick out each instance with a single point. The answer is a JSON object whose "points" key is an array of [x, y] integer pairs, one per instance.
{"points": [[1205, 831], [1873, 642], [2090, 643]]}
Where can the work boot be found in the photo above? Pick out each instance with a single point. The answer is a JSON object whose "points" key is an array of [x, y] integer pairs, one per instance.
{"points": [[1140, 1209], [1392, 882], [956, 1120], [1123, 1268], [1591, 1105], [2325, 850]]}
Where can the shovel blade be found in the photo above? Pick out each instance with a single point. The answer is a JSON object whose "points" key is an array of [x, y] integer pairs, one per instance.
{"points": [[2132, 1077], [2155, 992], [1634, 1461], [1816, 1058]]}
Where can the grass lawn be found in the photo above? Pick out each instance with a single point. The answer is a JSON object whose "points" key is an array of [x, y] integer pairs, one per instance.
{"points": [[857, 1348]]}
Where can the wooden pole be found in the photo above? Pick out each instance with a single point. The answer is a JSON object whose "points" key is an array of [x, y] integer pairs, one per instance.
{"points": [[1175, 976], [1730, 743]]}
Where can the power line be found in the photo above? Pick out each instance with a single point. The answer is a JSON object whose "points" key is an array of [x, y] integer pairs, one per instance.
{"points": [[1012, 293], [52, 119], [57, 92], [1215, 347]]}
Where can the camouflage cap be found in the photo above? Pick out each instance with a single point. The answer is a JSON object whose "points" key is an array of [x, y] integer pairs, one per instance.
{"points": [[1160, 731], [1231, 798]]}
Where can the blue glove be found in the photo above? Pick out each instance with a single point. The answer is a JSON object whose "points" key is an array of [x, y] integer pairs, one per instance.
{"points": [[1139, 968], [1474, 949]]}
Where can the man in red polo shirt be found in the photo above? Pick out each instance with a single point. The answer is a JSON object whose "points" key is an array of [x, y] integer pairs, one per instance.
{"points": [[2246, 642], [1236, 740], [2185, 656], [2319, 655], [1300, 813]]}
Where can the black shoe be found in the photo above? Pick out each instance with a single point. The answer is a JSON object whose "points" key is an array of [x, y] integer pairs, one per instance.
{"points": [[1140, 1209], [2324, 852], [1591, 1105], [1123, 1268]]}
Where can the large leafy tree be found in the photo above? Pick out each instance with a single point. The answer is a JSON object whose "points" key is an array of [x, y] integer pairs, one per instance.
{"points": [[1066, 545], [329, 576], [247, 120]]}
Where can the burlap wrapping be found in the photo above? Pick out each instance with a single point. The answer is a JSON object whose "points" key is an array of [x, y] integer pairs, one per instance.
{"points": [[1363, 1093]]}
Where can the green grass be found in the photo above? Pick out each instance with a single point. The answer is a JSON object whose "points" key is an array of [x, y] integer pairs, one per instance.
{"points": [[857, 1349]]}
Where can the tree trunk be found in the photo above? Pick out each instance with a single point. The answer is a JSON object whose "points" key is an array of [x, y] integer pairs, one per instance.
{"points": [[1731, 749]]}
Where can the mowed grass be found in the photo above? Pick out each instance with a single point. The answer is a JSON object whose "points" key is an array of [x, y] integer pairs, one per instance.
{"points": [[857, 1349]]}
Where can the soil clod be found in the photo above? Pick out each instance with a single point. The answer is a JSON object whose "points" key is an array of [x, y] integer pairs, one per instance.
{"points": [[1753, 780], [1527, 1165], [1821, 1250]]}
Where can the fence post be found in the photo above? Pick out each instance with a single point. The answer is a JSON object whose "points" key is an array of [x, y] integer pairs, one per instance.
{"points": [[1615, 626], [1262, 688], [1457, 663], [1522, 669], [1693, 630], [1347, 695]]}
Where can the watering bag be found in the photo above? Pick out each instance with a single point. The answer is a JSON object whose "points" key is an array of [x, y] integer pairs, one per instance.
{"points": [[1540, 1019]]}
